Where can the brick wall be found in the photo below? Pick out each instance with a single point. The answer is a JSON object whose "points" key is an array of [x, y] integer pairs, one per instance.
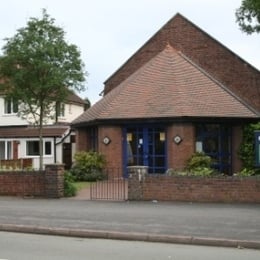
{"points": [[112, 151], [237, 137], [82, 138], [48, 183], [22, 183], [178, 154], [205, 51], [197, 189]]}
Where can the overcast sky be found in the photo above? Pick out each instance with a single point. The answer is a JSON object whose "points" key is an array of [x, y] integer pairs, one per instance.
{"points": [[108, 32]]}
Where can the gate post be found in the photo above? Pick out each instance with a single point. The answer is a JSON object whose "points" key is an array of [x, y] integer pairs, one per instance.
{"points": [[54, 180], [135, 181]]}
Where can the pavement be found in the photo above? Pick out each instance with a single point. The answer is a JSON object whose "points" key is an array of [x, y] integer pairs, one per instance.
{"points": [[231, 225]]}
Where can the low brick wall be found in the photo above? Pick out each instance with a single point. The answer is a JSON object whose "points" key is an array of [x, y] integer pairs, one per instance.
{"points": [[19, 183], [195, 189], [48, 183]]}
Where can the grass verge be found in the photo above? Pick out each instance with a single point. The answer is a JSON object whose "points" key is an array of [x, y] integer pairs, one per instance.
{"points": [[81, 185]]}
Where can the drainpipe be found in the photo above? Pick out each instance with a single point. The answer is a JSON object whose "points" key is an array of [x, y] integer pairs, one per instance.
{"points": [[61, 141]]}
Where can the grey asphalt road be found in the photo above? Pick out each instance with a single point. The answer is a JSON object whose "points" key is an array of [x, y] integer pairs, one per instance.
{"points": [[15, 246], [230, 221]]}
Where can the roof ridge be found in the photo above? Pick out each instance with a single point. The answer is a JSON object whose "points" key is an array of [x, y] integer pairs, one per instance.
{"points": [[214, 39], [146, 42]]}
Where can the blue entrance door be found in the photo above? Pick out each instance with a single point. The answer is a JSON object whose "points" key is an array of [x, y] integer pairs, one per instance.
{"points": [[146, 146]]}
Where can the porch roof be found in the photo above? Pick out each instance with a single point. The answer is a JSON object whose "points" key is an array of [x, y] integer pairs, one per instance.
{"points": [[169, 85], [23, 132]]}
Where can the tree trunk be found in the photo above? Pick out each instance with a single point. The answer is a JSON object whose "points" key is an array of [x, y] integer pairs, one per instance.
{"points": [[41, 138]]}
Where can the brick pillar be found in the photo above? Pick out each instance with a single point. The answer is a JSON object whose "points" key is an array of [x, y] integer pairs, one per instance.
{"points": [[135, 181], [54, 180]]}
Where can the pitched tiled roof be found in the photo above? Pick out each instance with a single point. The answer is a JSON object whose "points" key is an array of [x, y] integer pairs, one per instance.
{"points": [[23, 132], [168, 85], [210, 54], [73, 98]]}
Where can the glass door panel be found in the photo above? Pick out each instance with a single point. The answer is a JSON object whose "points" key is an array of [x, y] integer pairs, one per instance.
{"points": [[146, 146]]}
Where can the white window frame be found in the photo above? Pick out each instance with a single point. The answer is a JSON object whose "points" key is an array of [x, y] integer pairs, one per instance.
{"points": [[10, 107], [61, 110], [8, 149], [44, 148]]}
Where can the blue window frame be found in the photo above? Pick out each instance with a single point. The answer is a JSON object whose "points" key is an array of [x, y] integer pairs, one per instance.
{"points": [[145, 145], [215, 141]]}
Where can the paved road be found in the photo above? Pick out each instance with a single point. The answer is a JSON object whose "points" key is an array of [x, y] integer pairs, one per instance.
{"points": [[230, 221], [15, 246]]}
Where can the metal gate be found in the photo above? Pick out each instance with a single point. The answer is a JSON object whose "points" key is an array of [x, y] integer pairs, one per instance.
{"points": [[113, 187]]}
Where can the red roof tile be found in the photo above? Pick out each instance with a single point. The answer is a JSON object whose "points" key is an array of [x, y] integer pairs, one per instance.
{"points": [[168, 85]]}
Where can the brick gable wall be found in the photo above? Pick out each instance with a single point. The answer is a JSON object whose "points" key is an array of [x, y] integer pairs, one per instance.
{"points": [[202, 49]]}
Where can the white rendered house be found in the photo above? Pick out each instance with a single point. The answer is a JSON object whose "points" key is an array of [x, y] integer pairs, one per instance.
{"points": [[19, 138]]}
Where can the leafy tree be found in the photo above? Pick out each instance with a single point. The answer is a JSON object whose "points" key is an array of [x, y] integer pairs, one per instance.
{"points": [[248, 16], [39, 68]]}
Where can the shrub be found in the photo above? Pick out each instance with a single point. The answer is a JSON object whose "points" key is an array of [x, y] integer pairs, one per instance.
{"points": [[88, 166], [69, 189], [173, 172], [247, 149], [202, 171], [248, 172], [199, 165]]}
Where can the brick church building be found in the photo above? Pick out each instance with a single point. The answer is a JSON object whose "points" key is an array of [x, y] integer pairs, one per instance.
{"points": [[181, 92]]}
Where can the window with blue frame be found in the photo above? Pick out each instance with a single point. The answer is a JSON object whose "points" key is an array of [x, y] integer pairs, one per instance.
{"points": [[215, 141], [146, 146]]}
